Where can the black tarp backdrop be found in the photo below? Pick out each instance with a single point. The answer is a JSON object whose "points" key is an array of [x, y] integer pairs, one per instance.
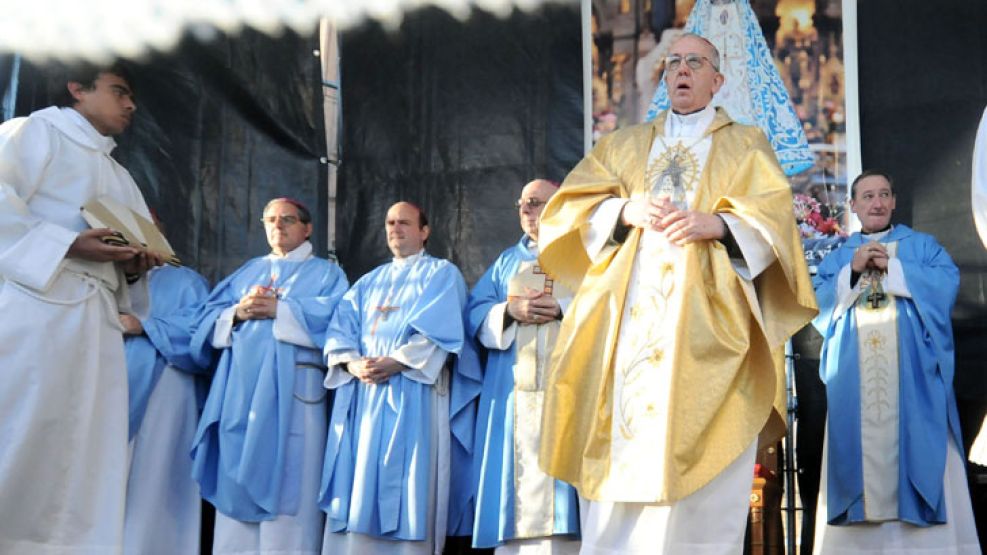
{"points": [[222, 126], [455, 116]]}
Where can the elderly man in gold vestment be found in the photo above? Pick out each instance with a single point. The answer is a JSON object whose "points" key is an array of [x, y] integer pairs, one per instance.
{"points": [[680, 238]]}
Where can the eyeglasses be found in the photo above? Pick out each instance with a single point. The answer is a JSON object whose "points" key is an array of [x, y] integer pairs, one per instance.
{"points": [[273, 220], [529, 202], [694, 61]]}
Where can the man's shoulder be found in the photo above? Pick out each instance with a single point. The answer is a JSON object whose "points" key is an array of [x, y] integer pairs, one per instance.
{"points": [[437, 265], [748, 135], [625, 134]]}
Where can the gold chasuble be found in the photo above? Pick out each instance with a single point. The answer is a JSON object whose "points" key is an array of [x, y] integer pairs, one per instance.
{"points": [[726, 334]]}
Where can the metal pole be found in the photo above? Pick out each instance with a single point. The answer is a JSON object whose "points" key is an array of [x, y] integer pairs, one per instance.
{"points": [[792, 404]]}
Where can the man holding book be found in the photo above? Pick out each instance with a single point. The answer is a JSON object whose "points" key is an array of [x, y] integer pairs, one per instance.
{"points": [[63, 390]]}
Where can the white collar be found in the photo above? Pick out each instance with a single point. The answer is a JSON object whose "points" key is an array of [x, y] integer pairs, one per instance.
{"points": [[408, 260], [77, 128], [531, 244], [689, 125], [301, 253], [877, 235]]}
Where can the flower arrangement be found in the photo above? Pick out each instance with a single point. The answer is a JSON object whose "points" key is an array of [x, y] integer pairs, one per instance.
{"points": [[812, 222]]}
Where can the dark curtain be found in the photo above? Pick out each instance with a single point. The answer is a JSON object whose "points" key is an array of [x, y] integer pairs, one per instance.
{"points": [[455, 116], [222, 126]]}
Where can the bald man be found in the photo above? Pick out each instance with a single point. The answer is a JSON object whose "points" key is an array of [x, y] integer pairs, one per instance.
{"points": [[514, 312], [386, 476]]}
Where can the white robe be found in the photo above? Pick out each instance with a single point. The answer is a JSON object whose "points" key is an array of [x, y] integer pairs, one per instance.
{"points": [[958, 536], [713, 519], [163, 505], [63, 387], [978, 452]]}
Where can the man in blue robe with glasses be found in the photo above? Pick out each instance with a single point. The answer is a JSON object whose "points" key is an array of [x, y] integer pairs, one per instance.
{"points": [[258, 450], [515, 312]]}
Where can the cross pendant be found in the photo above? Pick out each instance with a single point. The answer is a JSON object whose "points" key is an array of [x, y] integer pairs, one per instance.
{"points": [[876, 295], [383, 311]]}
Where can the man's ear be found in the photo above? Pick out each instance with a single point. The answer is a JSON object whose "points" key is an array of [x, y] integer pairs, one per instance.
{"points": [[75, 89], [425, 231]]}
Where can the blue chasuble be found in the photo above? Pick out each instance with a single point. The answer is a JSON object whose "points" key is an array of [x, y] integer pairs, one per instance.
{"points": [[494, 462], [175, 296], [927, 412], [375, 479], [241, 444]]}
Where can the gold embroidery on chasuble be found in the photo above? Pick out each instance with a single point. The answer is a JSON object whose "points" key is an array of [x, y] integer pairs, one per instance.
{"points": [[678, 164]]}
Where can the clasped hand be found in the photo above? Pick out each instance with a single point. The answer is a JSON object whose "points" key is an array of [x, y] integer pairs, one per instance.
{"points": [[537, 307], [374, 370], [870, 256], [680, 227], [258, 304]]}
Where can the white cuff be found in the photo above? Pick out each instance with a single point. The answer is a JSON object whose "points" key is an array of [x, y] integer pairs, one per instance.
{"points": [[288, 329], [492, 333], [222, 333], [564, 303], [757, 253], [34, 260], [601, 226], [423, 358], [894, 282], [337, 374], [845, 295]]}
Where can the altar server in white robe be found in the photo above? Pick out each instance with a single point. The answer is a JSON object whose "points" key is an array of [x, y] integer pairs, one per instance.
{"points": [[63, 379], [385, 484], [679, 237], [163, 503]]}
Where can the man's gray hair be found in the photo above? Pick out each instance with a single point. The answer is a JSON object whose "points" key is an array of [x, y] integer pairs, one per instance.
{"points": [[714, 57]]}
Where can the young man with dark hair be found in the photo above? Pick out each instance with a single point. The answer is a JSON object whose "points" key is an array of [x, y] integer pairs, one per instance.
{"points": [[63, 394]]}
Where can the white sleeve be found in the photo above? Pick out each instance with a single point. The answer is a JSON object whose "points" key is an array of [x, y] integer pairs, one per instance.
{"points": [[288, 329], [757, 253], [492, 333], [845, 295], [601, 226], [31, 249], [894, 281], [979, 185], [423, 358], [337, 374], [222, 332]]}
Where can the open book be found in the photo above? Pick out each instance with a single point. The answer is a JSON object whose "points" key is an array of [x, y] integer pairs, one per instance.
{"points": [[132, 228]]}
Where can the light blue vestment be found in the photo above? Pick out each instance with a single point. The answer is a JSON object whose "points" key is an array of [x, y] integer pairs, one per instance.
{"points": [[175, 296], [376, 478], [241, 449], [927, 403], [494, 460]]}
